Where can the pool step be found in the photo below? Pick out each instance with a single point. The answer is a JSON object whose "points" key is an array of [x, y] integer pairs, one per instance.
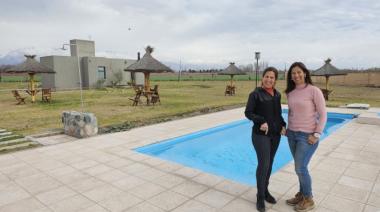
{"points": [[13, 142], [5, 133], [10, 137], [19, 146], [10, 142], [369, 118]]}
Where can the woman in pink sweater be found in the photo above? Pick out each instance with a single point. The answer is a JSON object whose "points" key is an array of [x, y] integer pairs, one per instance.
{"points": [[306, 119]]}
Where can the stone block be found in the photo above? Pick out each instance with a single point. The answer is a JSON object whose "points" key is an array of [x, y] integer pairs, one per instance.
{"points": [[79, 125]]}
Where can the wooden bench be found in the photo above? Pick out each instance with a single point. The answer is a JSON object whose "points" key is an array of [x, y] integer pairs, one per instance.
{"points": [[155, 95], [138, 92], [326, 93], [18, 97], [230, 90], [46, 94]]}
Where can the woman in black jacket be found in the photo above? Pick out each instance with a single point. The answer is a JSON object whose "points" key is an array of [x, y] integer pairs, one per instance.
{"points": [[264, 109]]}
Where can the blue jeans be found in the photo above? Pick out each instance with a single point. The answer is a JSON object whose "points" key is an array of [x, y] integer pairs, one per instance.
{"points": [[302, 152]]}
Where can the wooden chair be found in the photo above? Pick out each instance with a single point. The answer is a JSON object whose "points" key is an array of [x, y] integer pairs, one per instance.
{"points": [[18, 97], [233, 88], [46, 94], [230, 90], [138, 92], [326, 93], [155, 95]]}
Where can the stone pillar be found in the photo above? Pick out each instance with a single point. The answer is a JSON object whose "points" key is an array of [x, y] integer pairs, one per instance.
{"points": [[79, 125]]}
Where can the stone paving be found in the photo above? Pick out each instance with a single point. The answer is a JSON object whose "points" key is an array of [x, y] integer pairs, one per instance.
{"points": [[103, 173]]}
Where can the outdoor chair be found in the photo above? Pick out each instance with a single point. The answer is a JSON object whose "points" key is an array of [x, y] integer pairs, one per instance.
{"points": [[18, 97], [138, 92], [230, 90], [326, 93], [155, 95], [46, 95]]}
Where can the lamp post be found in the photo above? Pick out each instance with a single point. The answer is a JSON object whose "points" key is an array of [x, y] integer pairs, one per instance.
{"points": [[180, 68], [285, 72], [257, 57], [79, 73]]}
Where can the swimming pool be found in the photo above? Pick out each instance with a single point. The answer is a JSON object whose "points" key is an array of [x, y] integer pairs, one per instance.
{"points": [[227, 150]]}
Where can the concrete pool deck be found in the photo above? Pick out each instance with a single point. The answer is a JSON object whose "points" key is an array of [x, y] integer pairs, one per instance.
{"points": [[103, 173]]}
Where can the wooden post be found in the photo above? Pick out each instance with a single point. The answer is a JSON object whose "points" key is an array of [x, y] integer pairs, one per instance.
{"points": [[32, 88], [146, 81], [327, 83]]}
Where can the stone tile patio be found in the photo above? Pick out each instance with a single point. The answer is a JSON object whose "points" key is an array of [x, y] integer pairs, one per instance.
{"points": [[103, 173]]}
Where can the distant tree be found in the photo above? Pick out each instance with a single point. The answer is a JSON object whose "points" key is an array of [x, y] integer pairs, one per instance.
{"points": [[118, 78], [100, 84], [247, 68]]}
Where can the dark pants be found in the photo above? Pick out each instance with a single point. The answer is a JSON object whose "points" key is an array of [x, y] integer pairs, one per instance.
{"points": [[266, 147]]}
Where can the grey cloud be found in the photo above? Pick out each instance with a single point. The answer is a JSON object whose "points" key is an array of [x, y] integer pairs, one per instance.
{"points": [[197, 30]]}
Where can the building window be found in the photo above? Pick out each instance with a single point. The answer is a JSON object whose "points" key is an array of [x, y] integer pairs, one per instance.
{"points": [[101, 72]]}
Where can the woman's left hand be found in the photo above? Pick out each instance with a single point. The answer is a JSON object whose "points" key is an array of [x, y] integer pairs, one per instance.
{"points": [[312, 139]]}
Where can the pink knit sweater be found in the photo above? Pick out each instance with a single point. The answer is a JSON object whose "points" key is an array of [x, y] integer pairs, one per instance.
{"points": [[307, 109]]}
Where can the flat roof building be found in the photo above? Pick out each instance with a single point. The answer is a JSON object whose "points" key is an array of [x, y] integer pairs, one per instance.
{"points": [[95, 71]]}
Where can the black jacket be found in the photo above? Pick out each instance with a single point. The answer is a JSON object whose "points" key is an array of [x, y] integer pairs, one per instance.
{"points": [[263, 107]]}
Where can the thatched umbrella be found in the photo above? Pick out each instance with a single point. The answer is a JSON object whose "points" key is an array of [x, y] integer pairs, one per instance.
{"points": [[31, 67], [232, 70], [328, 70], [147, 64]]}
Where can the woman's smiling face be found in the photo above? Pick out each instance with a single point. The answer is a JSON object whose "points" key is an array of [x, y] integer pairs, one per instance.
{"points": [[298, 76], [269, 79]]}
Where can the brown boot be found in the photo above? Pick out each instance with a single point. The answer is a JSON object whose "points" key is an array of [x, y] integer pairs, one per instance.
{"points": [[295, 200], [306, 204]]}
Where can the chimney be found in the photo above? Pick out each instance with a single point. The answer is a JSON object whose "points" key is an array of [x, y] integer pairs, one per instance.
{"points": [[138, 56]]}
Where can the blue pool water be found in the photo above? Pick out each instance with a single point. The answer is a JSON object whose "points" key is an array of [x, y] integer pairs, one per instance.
{"points": [[227, 150]]}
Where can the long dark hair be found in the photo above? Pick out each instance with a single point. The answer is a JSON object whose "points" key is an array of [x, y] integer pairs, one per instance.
{"points": [[290, 85]]}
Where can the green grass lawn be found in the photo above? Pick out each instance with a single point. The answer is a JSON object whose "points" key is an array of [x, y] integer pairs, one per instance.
{"points": [[21, 78], [113, 108]]}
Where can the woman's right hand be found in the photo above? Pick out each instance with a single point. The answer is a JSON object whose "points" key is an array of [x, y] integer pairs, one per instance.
{"points": [[264, 127], [312, 139]]}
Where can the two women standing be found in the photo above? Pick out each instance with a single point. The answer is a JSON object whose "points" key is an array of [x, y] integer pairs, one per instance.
{"points": [[306, 118]]}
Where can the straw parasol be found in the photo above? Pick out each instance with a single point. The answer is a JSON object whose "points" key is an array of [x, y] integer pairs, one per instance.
{"points": [[31, 67], [232, 70], [147, 64], [328, 70]]}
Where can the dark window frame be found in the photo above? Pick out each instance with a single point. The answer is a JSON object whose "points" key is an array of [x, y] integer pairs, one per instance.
{"points": [[101, 70]]}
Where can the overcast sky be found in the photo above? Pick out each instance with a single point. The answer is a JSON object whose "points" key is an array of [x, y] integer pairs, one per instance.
{"points": [[210, 32]]}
